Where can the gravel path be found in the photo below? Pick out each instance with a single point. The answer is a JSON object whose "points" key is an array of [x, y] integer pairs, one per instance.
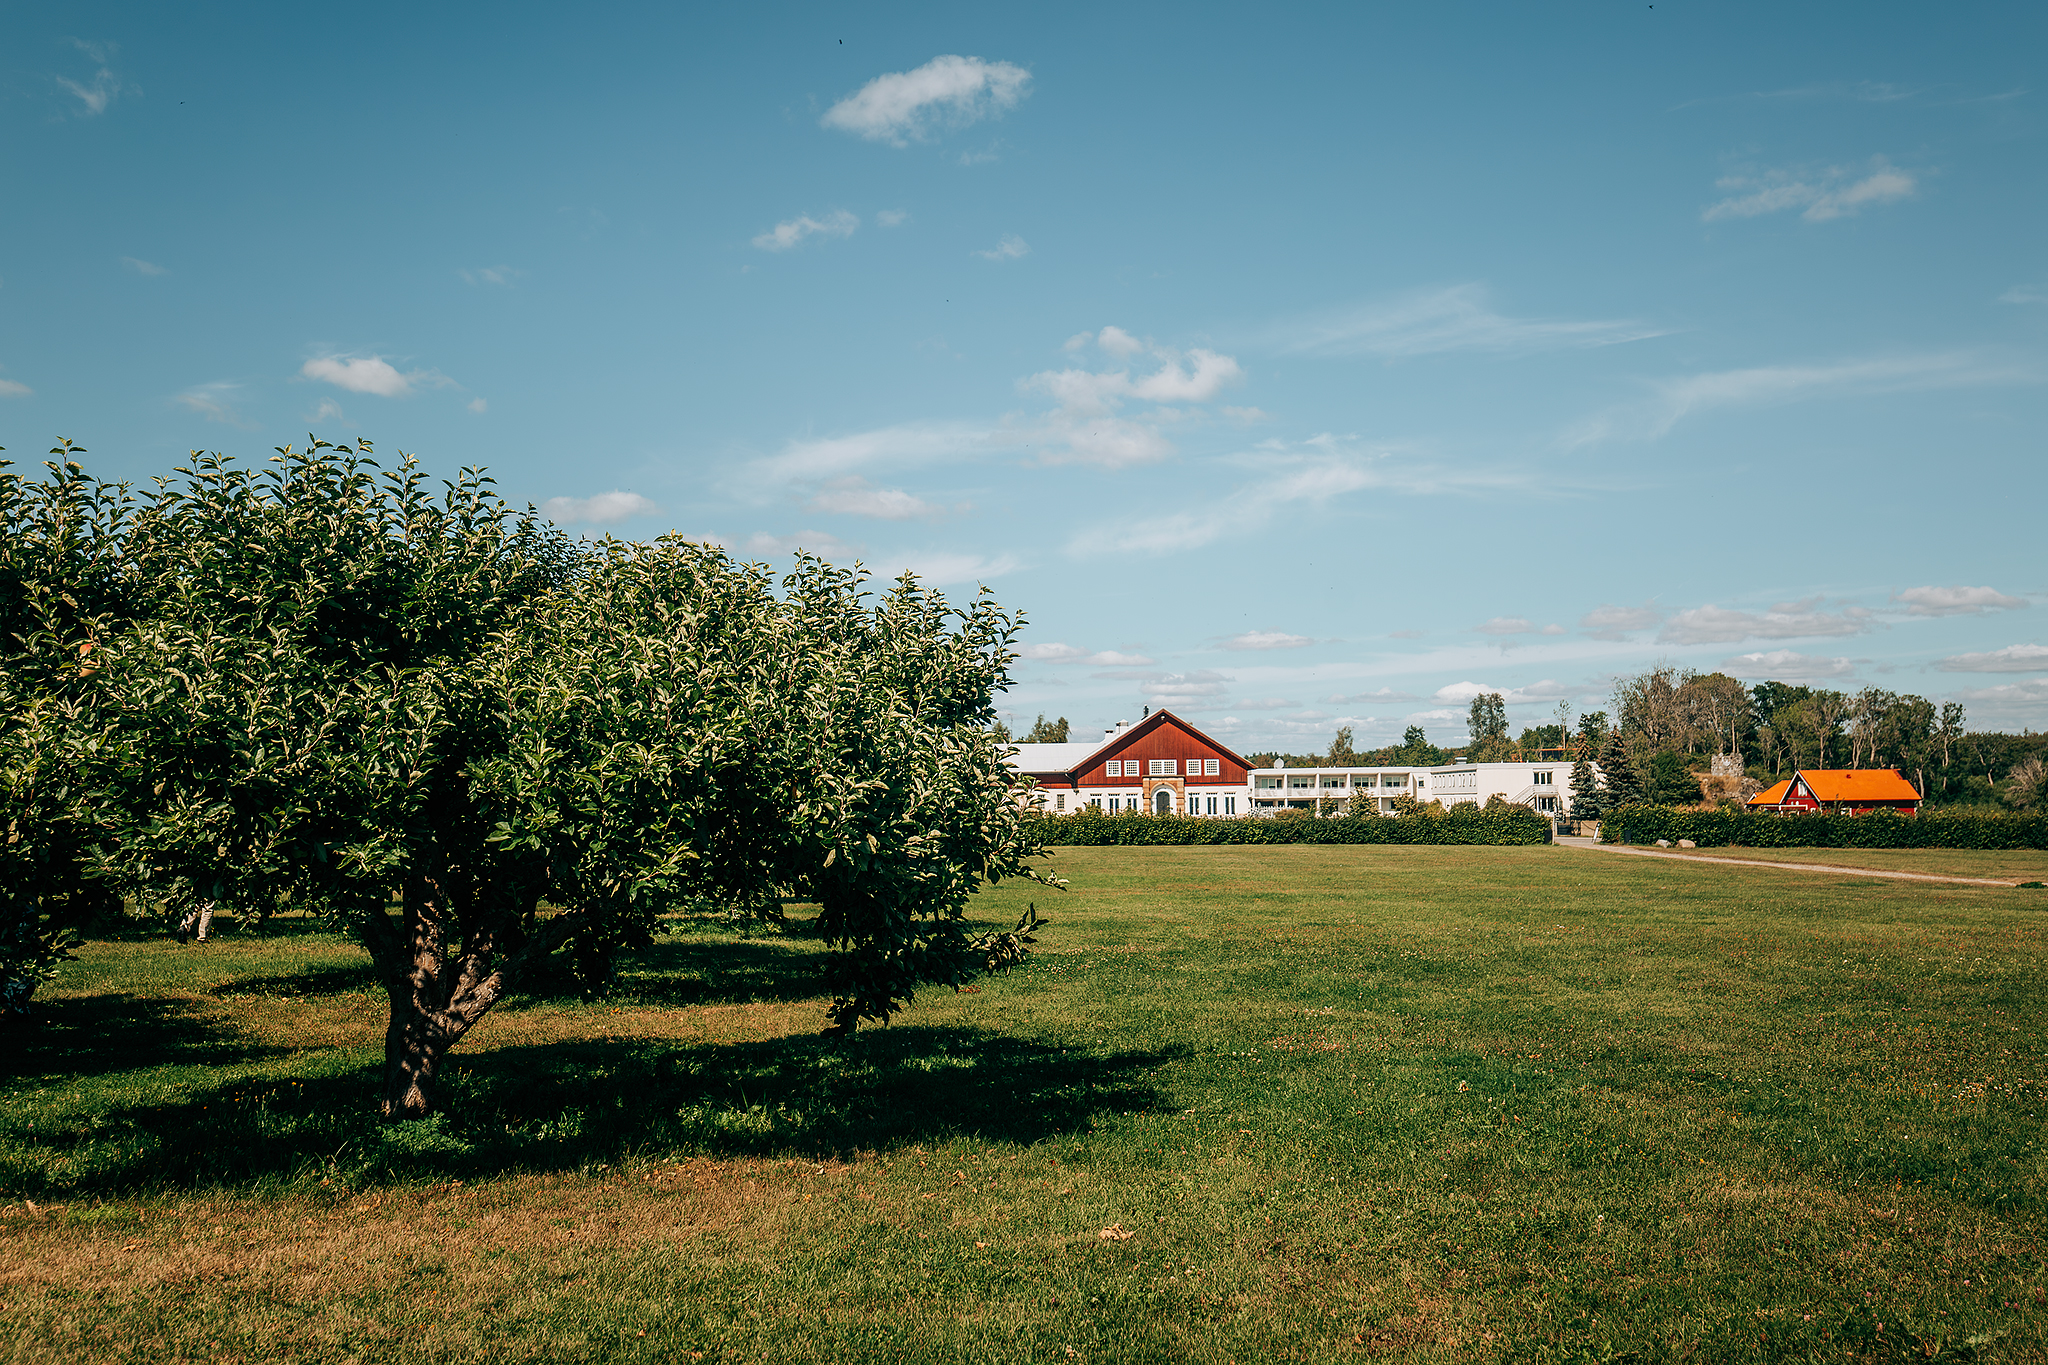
{"points": [[1573, 841]]}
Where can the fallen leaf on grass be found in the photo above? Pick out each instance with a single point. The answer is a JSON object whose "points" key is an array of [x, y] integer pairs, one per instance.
{"points": [[1115, 1232]]}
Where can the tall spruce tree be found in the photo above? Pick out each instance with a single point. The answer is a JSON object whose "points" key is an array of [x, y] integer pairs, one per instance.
{"points": [[1624, 786], [1589, 802]]}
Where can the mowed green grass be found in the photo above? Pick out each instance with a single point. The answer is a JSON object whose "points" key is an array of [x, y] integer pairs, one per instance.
{"points": [[1327, 1103]]}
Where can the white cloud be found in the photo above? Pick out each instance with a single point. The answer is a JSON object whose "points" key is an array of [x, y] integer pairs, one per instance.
{"points": [[1404, 635], [1609, 622], [1785, 621], [821, 543], [1956, 601], [1547, 690], [1831, 192], [1247, 416], [105, 88], [1052, 653], [370, 374], [10, 389], [1170, 689], [1312, 473], [213, 401], [2011, 659], [945, 567], [2025, 293], [327, 411], [1785, 665], [1110, 658], [1008, 249], [1116, 341], [142, 267], [783, 236], [478, 406], [2032, 692], [892, 217], [1555, 629], [1506, 625], [908, 445], [491, 274], [1672, 400], [1383, 696], [1262, 704], [1455, 319], [1086, 426], [854, 496], [605, 509], [949, 91], [1267, 639]]}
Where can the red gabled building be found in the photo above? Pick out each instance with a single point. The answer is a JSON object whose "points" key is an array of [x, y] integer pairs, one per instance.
{"points": [[1162, 765], [1840, 791]]}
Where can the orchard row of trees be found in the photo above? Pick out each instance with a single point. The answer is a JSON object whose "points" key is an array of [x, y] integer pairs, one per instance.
{"points": [[473, 742]]}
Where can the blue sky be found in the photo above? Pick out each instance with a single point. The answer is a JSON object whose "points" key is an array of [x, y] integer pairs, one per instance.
{"points": [[1291, 367]]}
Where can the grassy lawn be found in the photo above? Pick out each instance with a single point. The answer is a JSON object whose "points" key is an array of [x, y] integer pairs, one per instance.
{"points": [[2019, 865], [1247, 1104]]}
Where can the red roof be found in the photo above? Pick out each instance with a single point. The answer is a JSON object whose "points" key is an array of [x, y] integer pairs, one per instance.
{"points": [[1857, 785]]}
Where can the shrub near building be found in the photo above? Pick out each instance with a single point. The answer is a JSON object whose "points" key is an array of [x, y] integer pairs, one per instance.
{"points": [[1498, 823]]}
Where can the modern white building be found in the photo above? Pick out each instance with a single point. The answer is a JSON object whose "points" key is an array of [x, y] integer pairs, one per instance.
{"points": [[1545, 787], [1277, 789]]}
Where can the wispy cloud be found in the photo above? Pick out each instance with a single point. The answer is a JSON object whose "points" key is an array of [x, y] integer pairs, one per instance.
{"points": [[1785, 621], [1052, 653], [1383, 696], [142, 267], [1819, 194], [105, 87], [1956, 601], [1609, 622], [823, 544], [1184, 689], [1116, 658], [1547, 690], [892, 217], [1506, 625], [1673, 400], [492, 274], [783, 236], [11, 389], [944, 567], [1008, 249], [1460, 318], [478, 406], [371, 374], [2025, 293], [855, 496], [818, 460], [327, 410], [1784, 665], [2011, 659], [1286, 475], [2008, 696], [951, 91], [215, 402], [604, 509], [1267, 639]]}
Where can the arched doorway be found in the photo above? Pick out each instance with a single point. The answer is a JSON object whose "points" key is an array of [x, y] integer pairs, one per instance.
{"points": [[1162, 801]]}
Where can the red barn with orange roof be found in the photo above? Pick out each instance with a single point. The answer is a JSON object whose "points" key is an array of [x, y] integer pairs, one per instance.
{"points": [[1843, 791]]}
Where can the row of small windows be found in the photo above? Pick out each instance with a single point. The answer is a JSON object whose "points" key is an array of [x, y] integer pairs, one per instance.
{"points": [[1195, 804], [1161, 767]]}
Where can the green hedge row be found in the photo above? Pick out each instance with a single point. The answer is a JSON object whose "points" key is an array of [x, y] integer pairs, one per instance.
{"points": [[1754, 829], [1463, 824]]}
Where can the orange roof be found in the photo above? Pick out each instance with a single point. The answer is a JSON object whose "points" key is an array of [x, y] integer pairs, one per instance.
{"points": [[1771, 796], [1858, 784]]}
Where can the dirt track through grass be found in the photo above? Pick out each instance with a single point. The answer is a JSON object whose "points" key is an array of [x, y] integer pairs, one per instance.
{"points": [[1377, 1103]]}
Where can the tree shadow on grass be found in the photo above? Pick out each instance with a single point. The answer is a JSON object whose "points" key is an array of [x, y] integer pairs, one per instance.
{"points": [[561, 1106], [353, 978], [74, 1036]]}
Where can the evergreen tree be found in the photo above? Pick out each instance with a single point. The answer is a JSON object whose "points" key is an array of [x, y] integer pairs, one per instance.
{"points": [[1624, 787], [1589, 802]]}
